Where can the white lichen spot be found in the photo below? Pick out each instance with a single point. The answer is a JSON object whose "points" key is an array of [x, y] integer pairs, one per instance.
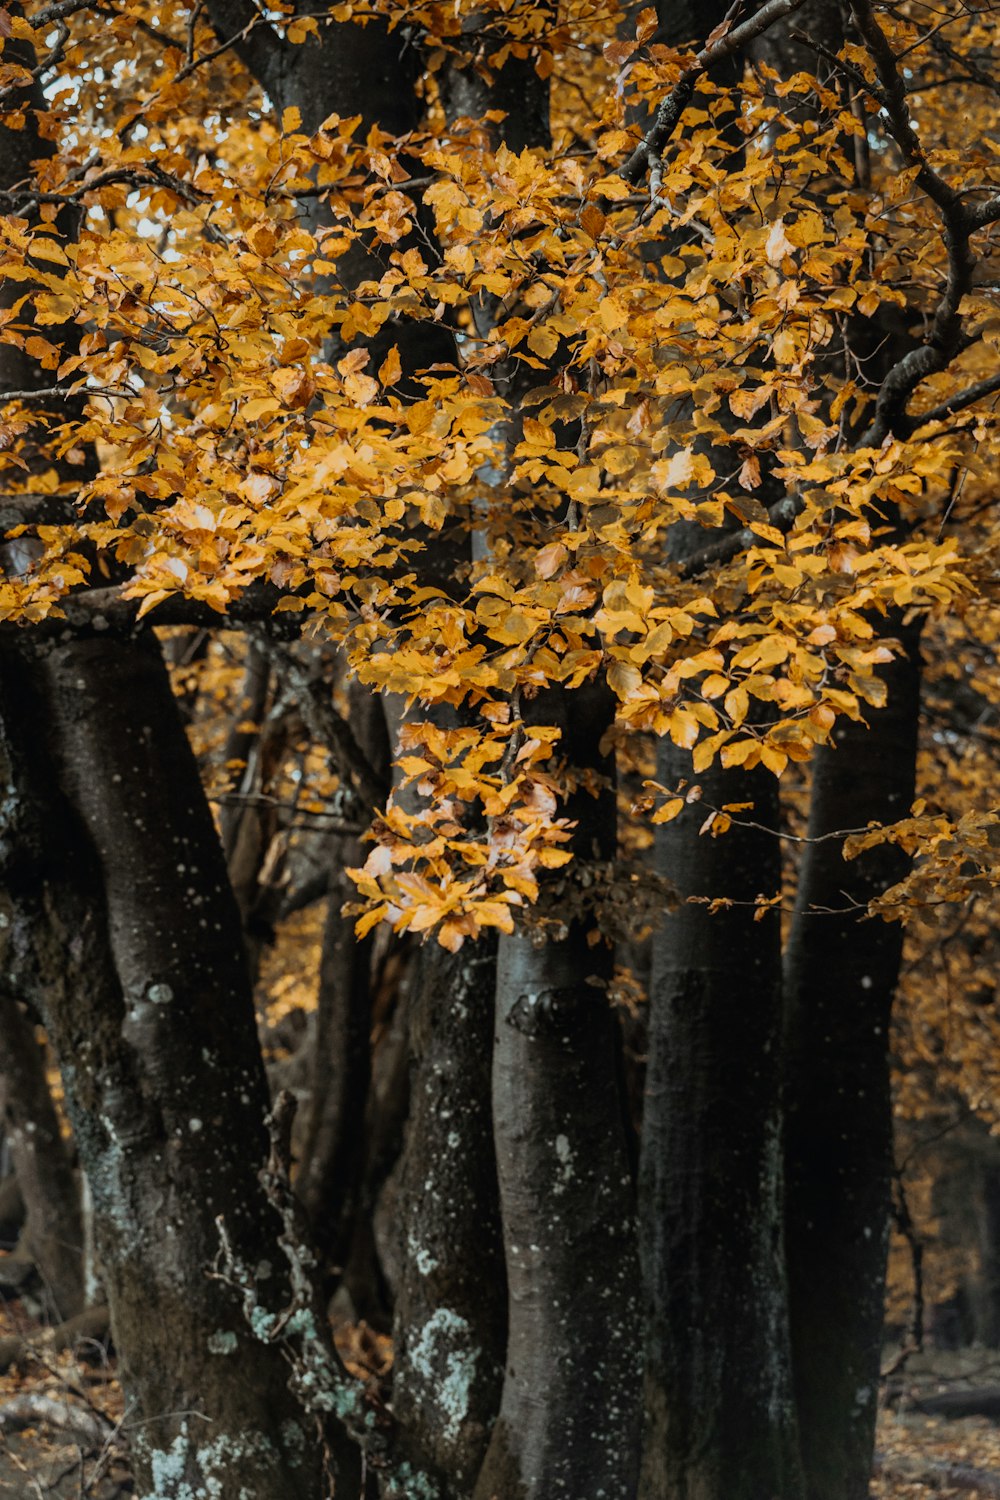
{"points": [[424, 1261], [564, 1155], [223, 1341], [444, 1360], [198, 1470]]}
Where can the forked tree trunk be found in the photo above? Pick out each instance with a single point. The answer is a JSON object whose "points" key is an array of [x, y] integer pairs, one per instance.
{"points": [[840, 975], [570, 1415], [121, 908], [53, 1231], [719, 1417]]}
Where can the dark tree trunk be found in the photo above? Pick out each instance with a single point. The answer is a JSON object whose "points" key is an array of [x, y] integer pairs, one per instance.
{"points": [[122, 912], [840, 975], [333, 1151], [570, 1415], [451, 1301], [449, 1322], [53, 1231], [11, 1212], [719, 1418]]}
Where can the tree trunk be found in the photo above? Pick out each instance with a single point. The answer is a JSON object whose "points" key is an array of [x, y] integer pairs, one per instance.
{"points": [[333, 1151], [451, 1301], [570, 1414], [53, 1233], [840, 975], [122, 911], [719, 1418]]}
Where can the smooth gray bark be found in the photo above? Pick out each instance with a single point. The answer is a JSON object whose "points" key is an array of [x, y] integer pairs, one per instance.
{"points": [[719, 1418]]}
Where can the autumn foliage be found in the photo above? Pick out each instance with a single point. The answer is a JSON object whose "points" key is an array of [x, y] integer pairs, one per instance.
{"points": [[687, 392]]}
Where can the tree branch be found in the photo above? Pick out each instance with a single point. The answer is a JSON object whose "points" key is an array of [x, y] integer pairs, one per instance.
{"points": [[106, 612], [781, 515], [327, 726], [733, 39], [959, 402], [946, 338]]}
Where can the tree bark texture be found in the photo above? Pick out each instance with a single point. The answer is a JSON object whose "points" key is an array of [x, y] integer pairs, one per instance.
{"points": [[451, 1300], [52, 1236], [719, 1418], [840, 975], [570, 1414], [122, 910]]}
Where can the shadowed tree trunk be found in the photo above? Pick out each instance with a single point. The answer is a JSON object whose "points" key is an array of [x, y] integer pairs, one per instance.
{"points": [[720, 1422], [569, 1418], [719, 1418], [123, 922], [840, 975], [53, 1232]]}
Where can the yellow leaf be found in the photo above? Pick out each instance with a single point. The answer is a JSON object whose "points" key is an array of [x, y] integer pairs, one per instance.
{"points": [[260, 406], [778, 245], [370, 919], [43, 248], [301, 27], [391, 367], [624, 679]]}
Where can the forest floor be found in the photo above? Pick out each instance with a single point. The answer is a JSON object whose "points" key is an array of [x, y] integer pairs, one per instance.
{"points": [[920, 1455]]}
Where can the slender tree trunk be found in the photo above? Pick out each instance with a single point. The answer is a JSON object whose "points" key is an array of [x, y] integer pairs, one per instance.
{"points": [[569, 1418], [840, 975], [719, 1418], [121, 911], [53, 1233], [333, 1151]]}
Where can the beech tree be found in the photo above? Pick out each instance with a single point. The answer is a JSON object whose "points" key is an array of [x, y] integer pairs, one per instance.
{"points": [[569, 419]]}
